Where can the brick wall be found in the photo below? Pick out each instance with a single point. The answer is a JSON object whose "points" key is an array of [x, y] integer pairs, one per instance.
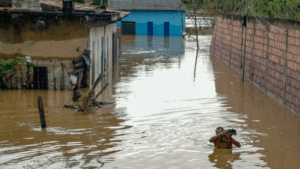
{"points": [[268, 63]]}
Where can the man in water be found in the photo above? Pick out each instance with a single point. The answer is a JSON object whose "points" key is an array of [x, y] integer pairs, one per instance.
{"points": [[223, 140]]}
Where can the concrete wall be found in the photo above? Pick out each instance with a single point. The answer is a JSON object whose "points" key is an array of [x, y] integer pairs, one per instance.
{"points": [[95, 45], [26, 4], [268, 64], [158, 18]]}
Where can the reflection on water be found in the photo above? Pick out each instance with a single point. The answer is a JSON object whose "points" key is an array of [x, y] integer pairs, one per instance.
{"points": [[171, 46], [163, 115], [223, 158]]}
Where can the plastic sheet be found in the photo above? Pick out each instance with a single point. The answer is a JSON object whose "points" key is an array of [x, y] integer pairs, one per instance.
{"points": [[58, 76]]}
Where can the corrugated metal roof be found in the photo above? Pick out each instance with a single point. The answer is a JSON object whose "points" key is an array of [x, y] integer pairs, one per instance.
{"points": [[161, 5]]}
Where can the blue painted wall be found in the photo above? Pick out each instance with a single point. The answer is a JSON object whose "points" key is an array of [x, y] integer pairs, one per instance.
{"points": [[158, 18]]}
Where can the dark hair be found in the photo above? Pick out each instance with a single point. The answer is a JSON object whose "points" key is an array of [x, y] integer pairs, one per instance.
{"points": [[220, 128]]}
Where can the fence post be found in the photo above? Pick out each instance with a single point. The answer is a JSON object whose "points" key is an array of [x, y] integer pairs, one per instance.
{"points": [[38, 79], [54, 79], [242, 41], [63, 76], [244, 57], [253, 46], [216, 32], [222, 44], [231, 27], [41, 111], [285, 66], [267, 59], [28, 76]]}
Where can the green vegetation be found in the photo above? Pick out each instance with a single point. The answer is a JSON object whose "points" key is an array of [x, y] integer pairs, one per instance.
{"points": [[95, 2], [287, 9], [98, 2], [8, 65], [80, 1]]}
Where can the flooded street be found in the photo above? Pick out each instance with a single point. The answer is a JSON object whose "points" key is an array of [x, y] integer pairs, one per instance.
{"points": [[163, 115]]}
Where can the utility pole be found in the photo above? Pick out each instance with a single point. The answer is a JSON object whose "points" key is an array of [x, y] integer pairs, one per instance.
{"points": [[181, 18], [196, 25]]}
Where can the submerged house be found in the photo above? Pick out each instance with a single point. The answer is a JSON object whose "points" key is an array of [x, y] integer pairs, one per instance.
{"points": [[151, 17], [53, 38]]}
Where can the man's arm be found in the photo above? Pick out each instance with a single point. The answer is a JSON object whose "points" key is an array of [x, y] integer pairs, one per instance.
{"points": [[236, 143], [214, 138]]}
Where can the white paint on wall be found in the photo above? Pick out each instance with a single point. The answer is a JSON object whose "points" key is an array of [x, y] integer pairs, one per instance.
{"points": [[96, 35]]}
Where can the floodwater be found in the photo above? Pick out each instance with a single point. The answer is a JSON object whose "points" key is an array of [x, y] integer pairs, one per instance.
{"points": [[163, 115]]}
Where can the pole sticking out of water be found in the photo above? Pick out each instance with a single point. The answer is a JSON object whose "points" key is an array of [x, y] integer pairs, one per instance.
{"points": [[196, 39], [195, 66], [101, 91], [41, 111]]}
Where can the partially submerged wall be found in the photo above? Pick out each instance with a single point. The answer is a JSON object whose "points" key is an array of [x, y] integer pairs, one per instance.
{"points": [[42, 35], [272, 60]]}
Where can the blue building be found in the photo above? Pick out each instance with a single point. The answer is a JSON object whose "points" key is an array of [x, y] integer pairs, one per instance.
{"points": [[151, 17]]}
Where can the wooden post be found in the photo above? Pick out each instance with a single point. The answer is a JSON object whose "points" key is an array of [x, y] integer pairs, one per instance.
{"points": [[101, 91], [21, 81], [285, 66], [41, 111], [28, 76], [54, 79], [267, 59], [38, 70], [63, 76], [17, 82]]}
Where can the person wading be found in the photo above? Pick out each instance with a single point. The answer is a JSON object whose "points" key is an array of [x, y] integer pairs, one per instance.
{"points": [[223, 140]]}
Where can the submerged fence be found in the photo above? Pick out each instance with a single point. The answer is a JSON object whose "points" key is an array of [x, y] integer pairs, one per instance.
{"points": [[272, 54], [46, 75]]}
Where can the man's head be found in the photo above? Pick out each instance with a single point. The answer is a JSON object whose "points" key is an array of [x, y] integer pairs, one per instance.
{"points": [[219, 130]]}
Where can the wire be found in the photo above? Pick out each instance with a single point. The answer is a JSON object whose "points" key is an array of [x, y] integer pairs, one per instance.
{"points": [[265, 20], [270, 34], [264, 28]]}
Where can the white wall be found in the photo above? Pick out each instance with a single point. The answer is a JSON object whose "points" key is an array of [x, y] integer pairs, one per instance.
{"points": [[96, 34]]}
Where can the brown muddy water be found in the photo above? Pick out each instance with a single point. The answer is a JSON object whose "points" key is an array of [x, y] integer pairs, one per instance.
{"points": [[163, 115]]}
